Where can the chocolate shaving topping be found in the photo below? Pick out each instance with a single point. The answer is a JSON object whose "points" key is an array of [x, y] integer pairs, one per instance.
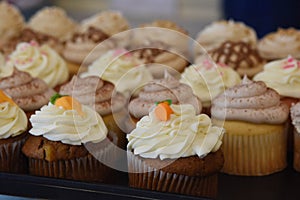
{"points": [[92, 34], [236, 55]]}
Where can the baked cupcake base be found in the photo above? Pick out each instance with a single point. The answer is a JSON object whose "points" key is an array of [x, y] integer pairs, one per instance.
{"points": [[190, 176], [253, 149], [11, 157]]}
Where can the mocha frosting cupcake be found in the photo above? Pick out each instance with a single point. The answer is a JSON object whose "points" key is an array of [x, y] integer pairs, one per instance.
{"points": [[255, 143]]}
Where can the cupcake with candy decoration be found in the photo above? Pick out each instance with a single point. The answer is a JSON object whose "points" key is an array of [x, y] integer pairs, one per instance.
{"points": [[175, 150], [70, 141]]}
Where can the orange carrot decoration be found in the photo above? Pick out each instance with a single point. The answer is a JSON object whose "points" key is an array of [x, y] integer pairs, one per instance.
{"points": [[67, 102], [5, 98], [163, 110]]}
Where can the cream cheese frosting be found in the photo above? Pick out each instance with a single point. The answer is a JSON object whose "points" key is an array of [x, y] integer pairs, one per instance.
{"points": [[280, 44], [68, 126], [28, 92], [184, 134], [160, 90], [13, 120], [295, 116], [120, 68], [40, 61], [283, 76], [252, 102], [94, 92], [208, 79]]}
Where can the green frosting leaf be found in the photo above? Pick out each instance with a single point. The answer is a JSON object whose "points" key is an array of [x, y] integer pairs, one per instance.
{"points": [[169, 101], [54, 97]]}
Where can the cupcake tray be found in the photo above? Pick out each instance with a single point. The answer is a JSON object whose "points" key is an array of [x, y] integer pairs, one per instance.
{"points": [[282, 185]]}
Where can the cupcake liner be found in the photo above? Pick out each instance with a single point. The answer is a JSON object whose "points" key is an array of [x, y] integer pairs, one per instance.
{"points": [[296, 162], [146, 177], [89, 168], [11, 156], [256, 154]]}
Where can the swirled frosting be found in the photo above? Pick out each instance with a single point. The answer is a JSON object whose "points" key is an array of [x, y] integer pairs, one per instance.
{"points": [[28, 92], [184, 134], [94, 92], [295, 116], [283, 76], [4, 71], [40, 61], [252, 102], [120, 68], [280, 44], [160, 90], [67, 126], [208, 80], [13, 120]]}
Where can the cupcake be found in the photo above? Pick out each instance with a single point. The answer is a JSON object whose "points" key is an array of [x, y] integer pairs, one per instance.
{"points": [[175, 150], [209, 80], [100, 95], [53, 21], [68, 140], [240, 56], [27, 92], [170, 49], [213, 35], [255, 143], [40, 61], [295, 115], [11, 22], [13, 132], [122, 69], [280, 44]]}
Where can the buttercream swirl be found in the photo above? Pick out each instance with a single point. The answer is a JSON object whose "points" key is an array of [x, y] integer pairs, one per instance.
{"points": [[28, 92], [13, 120], [208, 80], [67, 126], [283, 76], [252, 102], [184, 134], [94, 92], [120, 68], [160, 90], [40, 61], [295, 116]]}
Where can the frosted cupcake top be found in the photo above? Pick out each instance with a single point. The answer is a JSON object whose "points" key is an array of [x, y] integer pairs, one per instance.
{"points": [[283, 76], [94, 92], [28, 92], [120, 68], [295, 115], [208, 80], [183, 134], [40, 61], [12, 22], [13, 120], [162, 89], [252, 102], [69, 122], [280, 44]]}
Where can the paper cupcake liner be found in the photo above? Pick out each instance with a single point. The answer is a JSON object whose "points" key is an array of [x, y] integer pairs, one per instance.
{"points": [[11, 157], [296, 162], [156, 179], [88, 168], [254, 155]]}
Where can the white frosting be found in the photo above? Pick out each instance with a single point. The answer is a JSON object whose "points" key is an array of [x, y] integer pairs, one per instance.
{"points": [[5, 71], [295, 115], [13, 120], [184, 134], [67, 126]]}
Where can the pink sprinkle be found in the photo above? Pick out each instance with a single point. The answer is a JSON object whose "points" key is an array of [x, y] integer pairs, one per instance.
{"points": [[290, 59], [298, 63], [118, 52], [222, 64], [288, 66], [207, 64], [33, 43], [44, 53], [30, 60]]}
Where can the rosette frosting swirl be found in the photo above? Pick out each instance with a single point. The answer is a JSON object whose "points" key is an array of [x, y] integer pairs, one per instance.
{"points": [[283, 76], [40, 61], [13, 120], [252, 102], [94, 92], [68, 126], [184, 134], [28, 92], [295, 115], [160, 90]]}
